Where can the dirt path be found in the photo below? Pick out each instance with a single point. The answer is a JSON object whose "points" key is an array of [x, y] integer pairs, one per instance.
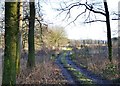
{"points": [[65, 72], [100, 81], [95, 78]]}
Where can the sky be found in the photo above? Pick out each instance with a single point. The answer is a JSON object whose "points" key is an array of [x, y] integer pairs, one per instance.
{"points": [[79, 30]]}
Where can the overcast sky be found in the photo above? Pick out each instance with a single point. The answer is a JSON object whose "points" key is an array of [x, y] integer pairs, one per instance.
{"points": [[79, 30]]}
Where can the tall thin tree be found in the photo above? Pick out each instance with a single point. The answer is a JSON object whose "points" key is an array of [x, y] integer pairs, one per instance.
{"points": [[108, 31], [19, 41], [31, 47]]}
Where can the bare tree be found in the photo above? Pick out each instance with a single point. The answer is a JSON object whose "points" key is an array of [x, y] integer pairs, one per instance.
{"points": [[19, 41], [90, 8], [55, 37], [31, 47]]}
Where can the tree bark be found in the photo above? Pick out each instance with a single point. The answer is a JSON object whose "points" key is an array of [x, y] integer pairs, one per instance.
{"points": [[108, 31], [11, 25], [19, 41], [31, 47]]}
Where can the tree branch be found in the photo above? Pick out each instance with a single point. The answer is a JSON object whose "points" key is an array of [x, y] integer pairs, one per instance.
{"points": [[87, 7], [116, 19], [91, 9], [77, 17], [95, 21]]}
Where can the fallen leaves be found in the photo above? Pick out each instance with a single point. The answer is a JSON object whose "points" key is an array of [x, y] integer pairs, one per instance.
{"points": [[45, 73]]}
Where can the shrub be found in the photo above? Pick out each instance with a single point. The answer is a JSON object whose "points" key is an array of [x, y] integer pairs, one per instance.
{"points": [[110, 69]]}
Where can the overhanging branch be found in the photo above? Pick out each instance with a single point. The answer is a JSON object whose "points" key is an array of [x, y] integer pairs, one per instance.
{"points": [[91, 9], [77, 17], [87, 7], [95, 21]]}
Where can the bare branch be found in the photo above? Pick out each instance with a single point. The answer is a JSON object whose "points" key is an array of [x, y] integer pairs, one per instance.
{"points": [[77, 4], [101, 9], [91, 9], [77, 17], [88, 16], [116, 19], [67, 15], [95, 21], [116, 13], [70, 6]]}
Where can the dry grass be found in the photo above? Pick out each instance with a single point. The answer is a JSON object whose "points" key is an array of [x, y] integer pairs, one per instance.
{"points": [[99, 64], [45, 72]]}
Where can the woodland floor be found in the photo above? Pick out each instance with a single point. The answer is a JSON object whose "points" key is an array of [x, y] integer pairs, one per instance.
{"points": [[45, 72], [99, 64]]}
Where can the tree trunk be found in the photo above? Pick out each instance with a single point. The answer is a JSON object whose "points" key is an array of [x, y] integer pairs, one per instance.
{"points": [[108, 31], [31, 47], [19, 41], [11, 25]]}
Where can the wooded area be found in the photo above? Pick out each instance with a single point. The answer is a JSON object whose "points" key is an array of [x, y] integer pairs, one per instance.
{"points": [[33, 52]]}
